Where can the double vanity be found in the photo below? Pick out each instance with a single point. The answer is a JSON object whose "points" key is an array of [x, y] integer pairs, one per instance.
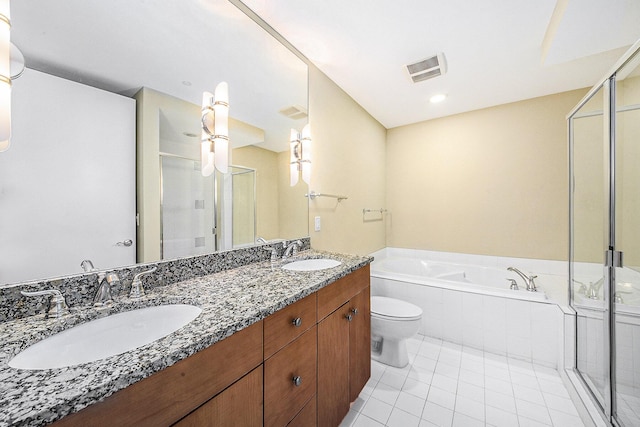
{"points": [[268, 345]]}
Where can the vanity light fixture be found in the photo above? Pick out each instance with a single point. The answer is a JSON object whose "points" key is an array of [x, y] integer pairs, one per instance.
{"points": [[300, 144], [5, 76], [214, 146]]}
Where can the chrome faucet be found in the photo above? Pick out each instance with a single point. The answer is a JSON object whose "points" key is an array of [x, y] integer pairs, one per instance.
{"points": [[292, 249], [57, 306], [260, 240], [103, 297], [528, 280], [593, 290], [87, 266], [137, 290]]}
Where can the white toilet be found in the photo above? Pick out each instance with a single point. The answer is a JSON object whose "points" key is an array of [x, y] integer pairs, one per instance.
{"points": [[392, 322]]}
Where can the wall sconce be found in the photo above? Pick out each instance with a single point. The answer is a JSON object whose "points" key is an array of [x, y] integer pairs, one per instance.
{"points": [[11, 67], [300, 155], [214, 146], [5, 75]]}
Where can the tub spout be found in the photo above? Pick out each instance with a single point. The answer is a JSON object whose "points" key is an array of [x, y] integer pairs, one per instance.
{"points": [[528, 280]]}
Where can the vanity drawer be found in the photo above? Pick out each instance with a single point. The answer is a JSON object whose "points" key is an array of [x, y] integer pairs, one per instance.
{"points": [[283, 399], [280, 328], [333, 296]]}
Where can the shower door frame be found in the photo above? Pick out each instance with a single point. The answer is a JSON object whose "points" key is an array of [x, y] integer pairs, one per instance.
{"points": [[612, 257]]}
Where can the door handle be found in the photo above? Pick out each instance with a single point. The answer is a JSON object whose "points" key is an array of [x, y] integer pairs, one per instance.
{"points": [[126, 243]]}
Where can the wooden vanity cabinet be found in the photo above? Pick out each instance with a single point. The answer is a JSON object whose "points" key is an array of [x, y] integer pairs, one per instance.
{"points": [[313, 361], [344, 343]]}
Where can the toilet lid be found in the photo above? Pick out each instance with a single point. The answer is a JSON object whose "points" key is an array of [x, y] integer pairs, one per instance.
{"points": [[394, 308]]}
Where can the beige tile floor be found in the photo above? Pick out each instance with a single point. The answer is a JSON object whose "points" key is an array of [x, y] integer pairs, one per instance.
{"points": [[446, 384]]}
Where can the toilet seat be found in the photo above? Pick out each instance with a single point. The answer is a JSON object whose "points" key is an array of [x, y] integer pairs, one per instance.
{"points": [[394, 309]]}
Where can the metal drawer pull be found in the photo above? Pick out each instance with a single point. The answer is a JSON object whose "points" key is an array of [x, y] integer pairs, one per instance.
{"points": [[349, 317], [297, 380], [297, 322], [354, 311]]}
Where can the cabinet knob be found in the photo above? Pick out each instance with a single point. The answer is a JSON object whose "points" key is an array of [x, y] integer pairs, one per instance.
{"points": [[297, 322], [349, 317], [354, 311], [297, 380]]}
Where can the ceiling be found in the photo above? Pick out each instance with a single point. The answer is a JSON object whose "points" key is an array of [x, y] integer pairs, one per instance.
{"points": [[177, 48], [497, 51]]}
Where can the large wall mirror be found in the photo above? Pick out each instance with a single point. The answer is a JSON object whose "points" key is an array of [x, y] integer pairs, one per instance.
{"points": [[104, 156]]}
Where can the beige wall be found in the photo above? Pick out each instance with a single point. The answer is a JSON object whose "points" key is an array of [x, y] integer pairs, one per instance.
{"points": [[149, 103], [628, 172], [294, 211], [266, 164], [491, 182], [348, 158]]}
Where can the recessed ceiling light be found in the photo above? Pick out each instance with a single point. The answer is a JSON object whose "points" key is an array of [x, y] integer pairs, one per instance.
{"points": [[437, 98], [190, 134], [186, 83]]}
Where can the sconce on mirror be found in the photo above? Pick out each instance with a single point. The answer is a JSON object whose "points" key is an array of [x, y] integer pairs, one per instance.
{"points": [[11, 67], [214, 149], [5, 75], [300, 155]]}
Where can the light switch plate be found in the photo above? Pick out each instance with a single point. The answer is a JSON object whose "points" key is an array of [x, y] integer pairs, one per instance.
{"points": [[317, 223]]}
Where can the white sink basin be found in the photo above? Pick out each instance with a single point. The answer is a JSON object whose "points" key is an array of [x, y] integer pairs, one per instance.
{"points": [[311, 264], [105, 337]]}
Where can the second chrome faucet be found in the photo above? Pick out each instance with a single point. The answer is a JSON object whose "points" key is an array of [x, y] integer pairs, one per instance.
{"points": [[528, 280]]}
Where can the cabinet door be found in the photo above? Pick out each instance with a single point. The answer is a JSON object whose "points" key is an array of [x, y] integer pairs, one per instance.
{"points": [[240, 405], [333, 367], [359, 343]]}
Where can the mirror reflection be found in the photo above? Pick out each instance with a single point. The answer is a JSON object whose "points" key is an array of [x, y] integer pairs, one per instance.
{"points": [[106, 126]]}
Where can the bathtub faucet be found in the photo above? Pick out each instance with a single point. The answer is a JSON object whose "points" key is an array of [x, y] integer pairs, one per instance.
{"points": [[528, 280], [593, 290]]}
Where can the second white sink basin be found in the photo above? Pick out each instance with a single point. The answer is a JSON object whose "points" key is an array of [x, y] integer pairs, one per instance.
{"points": [[311, 264], [105, 337]]}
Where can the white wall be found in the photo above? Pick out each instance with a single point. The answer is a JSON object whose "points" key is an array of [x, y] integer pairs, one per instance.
{"points": [[67, 184]]}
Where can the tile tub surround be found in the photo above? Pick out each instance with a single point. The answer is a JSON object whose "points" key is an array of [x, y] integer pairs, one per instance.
{"points": [[231, 300], [80, 289]]}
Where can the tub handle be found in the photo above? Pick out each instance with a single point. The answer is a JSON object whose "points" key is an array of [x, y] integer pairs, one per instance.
{"points": [[514, 285]]}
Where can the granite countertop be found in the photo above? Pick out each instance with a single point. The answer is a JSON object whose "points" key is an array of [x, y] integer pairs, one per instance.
{"points": [[230, 301]]}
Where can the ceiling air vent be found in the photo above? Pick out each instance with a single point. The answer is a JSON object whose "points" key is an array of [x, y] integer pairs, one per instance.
{"points": [[294, 112], [427, 68]]}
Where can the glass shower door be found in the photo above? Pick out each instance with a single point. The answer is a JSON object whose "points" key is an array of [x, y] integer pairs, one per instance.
{"points": [[589, 233], [626, 293], [187, 208]]}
